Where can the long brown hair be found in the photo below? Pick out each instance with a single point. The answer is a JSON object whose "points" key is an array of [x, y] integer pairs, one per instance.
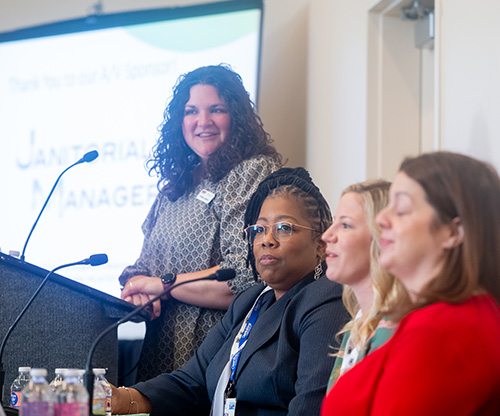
{"points": [[459, 186]]}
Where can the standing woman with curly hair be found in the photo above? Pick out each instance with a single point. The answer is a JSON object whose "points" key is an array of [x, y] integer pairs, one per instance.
{"points": [[210, 157]]}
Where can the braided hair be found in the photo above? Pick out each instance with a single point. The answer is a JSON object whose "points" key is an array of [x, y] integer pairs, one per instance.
{"points": [[288, 181]]}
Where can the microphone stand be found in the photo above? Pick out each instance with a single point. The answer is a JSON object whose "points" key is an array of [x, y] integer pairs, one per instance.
{"points": [[94, 260], [221, 275], [87, 157]]}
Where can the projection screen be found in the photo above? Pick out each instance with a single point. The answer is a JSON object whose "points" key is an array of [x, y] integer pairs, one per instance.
{"points": [[101, 83]]}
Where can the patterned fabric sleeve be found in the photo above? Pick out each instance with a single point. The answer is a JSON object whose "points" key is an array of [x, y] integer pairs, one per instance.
{"points": [[233, 194], [140, 267]]}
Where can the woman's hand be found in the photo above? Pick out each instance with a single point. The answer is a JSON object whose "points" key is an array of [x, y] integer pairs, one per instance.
{"points": [[140, 289], [205, 294], [120, 401], [125, 401]]}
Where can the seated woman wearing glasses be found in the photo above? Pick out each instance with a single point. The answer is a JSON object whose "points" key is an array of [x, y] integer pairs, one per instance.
{"points": [[269, 353]]}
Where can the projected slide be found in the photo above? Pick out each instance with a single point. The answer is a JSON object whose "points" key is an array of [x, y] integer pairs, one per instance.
{"points": [[61, 96]]}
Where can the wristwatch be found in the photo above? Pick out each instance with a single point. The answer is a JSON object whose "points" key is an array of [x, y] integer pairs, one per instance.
{"points": [[168, 278]]}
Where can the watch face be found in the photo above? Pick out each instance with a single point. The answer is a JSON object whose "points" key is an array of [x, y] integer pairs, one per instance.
{"points": [[168, 278]]}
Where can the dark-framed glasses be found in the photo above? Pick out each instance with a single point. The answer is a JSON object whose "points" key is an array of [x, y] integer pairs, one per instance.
{"points": [[281, 231]]}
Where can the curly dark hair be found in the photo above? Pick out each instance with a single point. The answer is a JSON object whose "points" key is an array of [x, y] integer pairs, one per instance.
{"points": [[288, 181], [175, 162]]}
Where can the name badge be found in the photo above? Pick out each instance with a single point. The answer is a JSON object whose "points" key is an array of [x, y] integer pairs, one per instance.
{"points": [[205, 196], [229, 406]]}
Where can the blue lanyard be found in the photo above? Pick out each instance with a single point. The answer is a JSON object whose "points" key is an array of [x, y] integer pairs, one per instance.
{"points": [[244, 335]]}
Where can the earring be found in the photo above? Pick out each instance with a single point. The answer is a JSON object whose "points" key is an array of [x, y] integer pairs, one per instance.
{"points": [[318, 271]]}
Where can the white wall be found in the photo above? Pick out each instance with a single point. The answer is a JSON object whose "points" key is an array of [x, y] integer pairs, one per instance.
{"points": [[394, 93], [283, 88], [469, 79], [336, 122], [341, 146]]}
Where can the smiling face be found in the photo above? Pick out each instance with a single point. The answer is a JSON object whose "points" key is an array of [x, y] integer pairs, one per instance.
{"points": [[207, 122], [348, 243], [413, 242], [283, 264]]}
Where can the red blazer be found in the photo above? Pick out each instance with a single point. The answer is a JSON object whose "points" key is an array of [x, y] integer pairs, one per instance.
{"points": [[442, 360]]}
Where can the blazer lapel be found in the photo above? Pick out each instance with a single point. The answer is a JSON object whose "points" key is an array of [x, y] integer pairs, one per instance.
{"points": [[268, 322]]}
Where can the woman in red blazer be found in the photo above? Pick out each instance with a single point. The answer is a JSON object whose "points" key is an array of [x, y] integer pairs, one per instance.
{"points": [[440, 237]]}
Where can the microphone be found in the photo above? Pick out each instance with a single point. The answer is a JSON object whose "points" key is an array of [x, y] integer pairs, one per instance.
{"points": [[87, 157], [94, 260], [220, 275]]}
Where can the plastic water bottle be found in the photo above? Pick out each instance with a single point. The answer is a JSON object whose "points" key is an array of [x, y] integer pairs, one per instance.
{"points": [[57, 381], [17, 386], [37, 399], [101, 404], [73, 399], [81, 376]]}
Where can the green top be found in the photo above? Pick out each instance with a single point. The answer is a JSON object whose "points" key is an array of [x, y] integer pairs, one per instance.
{"points": [[382, 333]]}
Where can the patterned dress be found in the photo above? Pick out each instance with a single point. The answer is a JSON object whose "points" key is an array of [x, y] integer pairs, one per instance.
{"points": [[190, 235]]}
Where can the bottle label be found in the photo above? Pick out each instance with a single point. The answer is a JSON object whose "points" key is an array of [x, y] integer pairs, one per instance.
{"points": [[72, 409], [15, 399], [99, 406], [108, 405], [37, 409]]}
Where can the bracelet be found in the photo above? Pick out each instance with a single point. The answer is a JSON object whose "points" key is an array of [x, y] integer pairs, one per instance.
{"points": [[132, 401]]}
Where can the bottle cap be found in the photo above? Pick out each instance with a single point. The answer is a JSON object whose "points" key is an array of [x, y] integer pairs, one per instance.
{"points": [[99, 371], [71, 372], [38, 372], [24, 369]]}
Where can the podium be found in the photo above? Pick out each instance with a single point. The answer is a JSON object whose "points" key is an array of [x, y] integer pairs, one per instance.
{"points": [[61, 324]]}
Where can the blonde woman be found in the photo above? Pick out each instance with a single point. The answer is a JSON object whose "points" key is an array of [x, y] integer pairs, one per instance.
{"points": [[352, 259]]}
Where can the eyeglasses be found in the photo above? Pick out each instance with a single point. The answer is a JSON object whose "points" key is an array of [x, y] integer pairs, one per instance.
{"points": [[281, 231]]}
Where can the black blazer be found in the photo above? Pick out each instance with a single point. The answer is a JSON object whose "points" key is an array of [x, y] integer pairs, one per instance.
{"points": [[284, 367]]}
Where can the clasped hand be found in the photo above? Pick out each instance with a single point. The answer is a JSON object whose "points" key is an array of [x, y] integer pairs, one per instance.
{"points": [[140, 290]]}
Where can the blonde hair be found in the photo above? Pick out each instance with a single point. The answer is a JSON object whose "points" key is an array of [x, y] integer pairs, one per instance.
{"points": [[387, 290]]}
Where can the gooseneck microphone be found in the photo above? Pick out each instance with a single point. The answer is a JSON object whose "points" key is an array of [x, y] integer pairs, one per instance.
{"points": [[221, 275], [86, 158], [94, 260]]}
